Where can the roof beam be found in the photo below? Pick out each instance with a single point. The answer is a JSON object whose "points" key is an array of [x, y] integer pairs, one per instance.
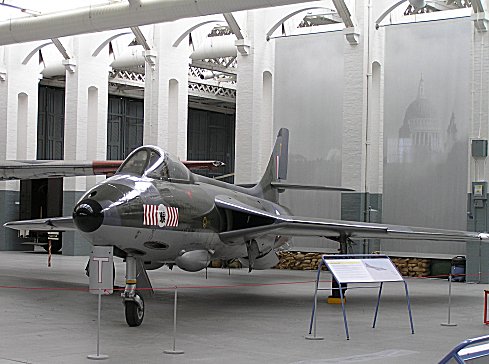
{"points": [[241, 43], [140, 38], [97, 18], [351, 32], [68, 62], [61, 48], [479, 16]]}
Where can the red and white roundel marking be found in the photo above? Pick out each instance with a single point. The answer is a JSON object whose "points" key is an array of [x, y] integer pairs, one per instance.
{"points": [[160, 215]]}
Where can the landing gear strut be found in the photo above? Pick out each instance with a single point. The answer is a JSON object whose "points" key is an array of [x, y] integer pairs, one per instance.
{"points": [[132, 300]]}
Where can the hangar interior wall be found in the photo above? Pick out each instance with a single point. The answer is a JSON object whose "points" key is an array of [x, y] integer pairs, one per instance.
{"points": [[309, 101], [424, 131], [346, 129], [426, 125]]}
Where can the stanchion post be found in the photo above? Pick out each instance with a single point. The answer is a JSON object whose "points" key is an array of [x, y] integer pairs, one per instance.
{"points": [[486, 292], [98, 356], [49, 253], [174, 351], [314, 310], [448, 323]]}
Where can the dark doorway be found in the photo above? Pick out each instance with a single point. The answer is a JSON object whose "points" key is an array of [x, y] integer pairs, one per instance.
{"points": [[125, 126], [51, 123], [211, 137], [41, 198]]}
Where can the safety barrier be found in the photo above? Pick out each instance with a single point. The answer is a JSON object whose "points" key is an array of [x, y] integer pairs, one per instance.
{"points": [[174, 288], [469, 349]]}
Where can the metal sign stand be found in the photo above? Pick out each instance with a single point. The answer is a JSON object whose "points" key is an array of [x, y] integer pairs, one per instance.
{"points": [[174, 350], [98, 356], [448, 323], [360, 277], [314, 336], [101, 282]]}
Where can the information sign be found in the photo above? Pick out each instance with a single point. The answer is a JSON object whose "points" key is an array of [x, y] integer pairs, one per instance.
{"points": [[365, 270], [101, 270]]}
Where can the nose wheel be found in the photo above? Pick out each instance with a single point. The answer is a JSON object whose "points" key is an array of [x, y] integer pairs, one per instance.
{"points": [[134, 310], [133, 300]]}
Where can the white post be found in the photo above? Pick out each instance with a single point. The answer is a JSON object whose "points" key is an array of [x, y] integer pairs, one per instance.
{"points": [[448, 323], [174, 351]]}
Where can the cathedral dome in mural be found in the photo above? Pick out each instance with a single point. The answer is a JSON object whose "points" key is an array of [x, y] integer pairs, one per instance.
{"points": [[420, 124]]}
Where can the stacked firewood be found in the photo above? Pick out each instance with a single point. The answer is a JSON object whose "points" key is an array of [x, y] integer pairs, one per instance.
{"points": [[413, 267], [298, 260], [218, 263]]}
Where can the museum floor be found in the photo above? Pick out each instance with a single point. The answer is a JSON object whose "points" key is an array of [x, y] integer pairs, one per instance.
{"points": [[260, 317]]}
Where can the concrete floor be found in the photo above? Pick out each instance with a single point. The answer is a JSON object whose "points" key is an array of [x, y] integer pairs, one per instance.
{"points": [[220, 321]]}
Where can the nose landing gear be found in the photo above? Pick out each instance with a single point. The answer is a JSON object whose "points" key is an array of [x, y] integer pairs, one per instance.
{"points": [[133, 300], [134, 311]]}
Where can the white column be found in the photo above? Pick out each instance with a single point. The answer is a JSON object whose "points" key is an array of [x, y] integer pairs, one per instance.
{"points": [[480, 103], [354, 107], [254, 100], [19, 84], [18, 103], [86, 98], [166, 90]]}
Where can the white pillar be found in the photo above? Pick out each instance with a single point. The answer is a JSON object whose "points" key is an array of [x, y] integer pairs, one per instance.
{"points": [[86, 98], [254, 101], [166, 90], [19, 85], [354, 107]]}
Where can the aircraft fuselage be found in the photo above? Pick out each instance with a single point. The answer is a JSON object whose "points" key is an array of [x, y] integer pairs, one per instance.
{"points": [[157, 220]]}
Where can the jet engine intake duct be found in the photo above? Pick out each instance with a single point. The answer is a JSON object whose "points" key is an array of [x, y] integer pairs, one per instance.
{"points": [[88, 215]]}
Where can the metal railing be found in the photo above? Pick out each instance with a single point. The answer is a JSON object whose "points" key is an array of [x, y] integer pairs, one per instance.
{"points": [[468, 350]]}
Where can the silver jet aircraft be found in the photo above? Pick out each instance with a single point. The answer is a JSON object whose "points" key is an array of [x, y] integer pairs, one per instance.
{"points": [[154, 211]]}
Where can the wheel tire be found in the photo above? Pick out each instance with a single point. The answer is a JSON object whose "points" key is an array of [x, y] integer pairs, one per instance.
{"points": [[55, 246], [134, 314]]}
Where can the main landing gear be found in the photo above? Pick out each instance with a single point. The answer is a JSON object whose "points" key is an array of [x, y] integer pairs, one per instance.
{"points": [[132, 299]]}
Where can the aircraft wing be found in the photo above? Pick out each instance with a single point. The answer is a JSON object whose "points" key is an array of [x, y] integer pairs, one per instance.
{"points": [[265, 223], [54, 168], [48, 224], [33, 169]]}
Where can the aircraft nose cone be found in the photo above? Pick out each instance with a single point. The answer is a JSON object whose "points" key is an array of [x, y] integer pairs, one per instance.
{"points": [[88, 215]]}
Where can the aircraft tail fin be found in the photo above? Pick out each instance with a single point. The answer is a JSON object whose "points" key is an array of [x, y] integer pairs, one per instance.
{"points": [[271, 184], [276, 170]]}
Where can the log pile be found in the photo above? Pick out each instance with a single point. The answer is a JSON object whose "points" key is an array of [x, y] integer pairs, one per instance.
{"points": [[413, 267], [298, 260], [294, 260], [218, 263]]}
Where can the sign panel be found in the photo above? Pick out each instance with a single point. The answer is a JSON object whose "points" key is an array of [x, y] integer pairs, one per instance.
{"points": [[363, 270], [101, 270]]}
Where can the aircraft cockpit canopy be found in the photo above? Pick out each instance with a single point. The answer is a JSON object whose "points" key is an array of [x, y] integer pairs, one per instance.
{"points": [[155, 163]]}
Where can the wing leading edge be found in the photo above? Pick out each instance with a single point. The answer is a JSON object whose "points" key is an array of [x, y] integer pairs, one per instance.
{"points": [[48, 224], [331, 229], [10, 170]]}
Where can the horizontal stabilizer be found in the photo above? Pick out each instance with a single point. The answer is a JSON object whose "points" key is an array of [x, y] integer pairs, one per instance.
{"points": [[293, 186]]}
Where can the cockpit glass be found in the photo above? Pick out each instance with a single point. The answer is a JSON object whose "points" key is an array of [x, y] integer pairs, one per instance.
{"points": [[170, 168], [139, 162]]}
